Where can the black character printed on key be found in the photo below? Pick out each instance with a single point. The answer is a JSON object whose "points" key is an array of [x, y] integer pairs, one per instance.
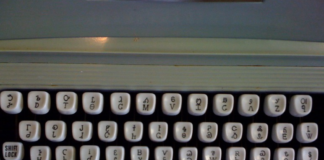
{"points": [[37, 101], [250, 103], [198, 103], [10, 99], [92, 105], [173, 102], [27, 129], [277, 106], [146, 104], [184, 135], [234, 136], [55, 127], [120, 105], [66, 99], [107, 133], [209, 134], [303, 101]]}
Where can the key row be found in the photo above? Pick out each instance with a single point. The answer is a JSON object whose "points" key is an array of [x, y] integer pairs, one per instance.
{"points": [[93, 102], [15, 151], [158, 131]]}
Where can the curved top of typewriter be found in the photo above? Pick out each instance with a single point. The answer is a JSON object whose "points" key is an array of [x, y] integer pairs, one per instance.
{"points": [[293, 20]]}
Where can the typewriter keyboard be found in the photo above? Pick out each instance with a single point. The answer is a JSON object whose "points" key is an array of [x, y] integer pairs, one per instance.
{"points": [[147, 125]]}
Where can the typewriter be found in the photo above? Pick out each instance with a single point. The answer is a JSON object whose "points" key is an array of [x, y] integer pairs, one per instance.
{"points": [[134, 80]]}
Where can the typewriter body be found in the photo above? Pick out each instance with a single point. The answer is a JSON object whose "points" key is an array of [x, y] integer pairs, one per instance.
{"points": [[138, 80]]}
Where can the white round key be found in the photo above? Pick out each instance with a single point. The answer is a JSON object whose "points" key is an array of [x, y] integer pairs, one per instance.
{"points": [[182, 131], [235, 153], [308, 153], [282, 132], [107, 131], [307, 132], [29, 131], [284, 154], [300, 105], [92, 102], [82, 131], [88, 152], [120, 103], [212, 153], [40, 153], [39, 102], [223, 104], [158, 131], [65, 153], [171, 104], [207, 131], [140, 152], [115, 153], [163, 153], [257, 132], [55, 131], [11, 102], [145, 103], [67, 102], [248, 105], [188, 153], [275, 105], [260, 153], [232, 132], [133, 131], [13, 151], [197, 104]]}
